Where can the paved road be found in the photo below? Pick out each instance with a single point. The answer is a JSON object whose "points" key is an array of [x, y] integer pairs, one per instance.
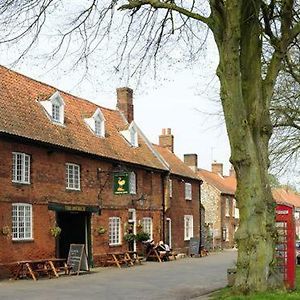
{"points": [[182, 279]]}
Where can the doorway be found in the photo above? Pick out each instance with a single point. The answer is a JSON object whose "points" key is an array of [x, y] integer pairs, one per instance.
{"points": [[168, 232], [132, 226], [75, 229]]}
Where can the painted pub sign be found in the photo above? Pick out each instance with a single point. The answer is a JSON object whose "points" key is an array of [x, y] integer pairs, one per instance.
{"points": [[121, 183]]}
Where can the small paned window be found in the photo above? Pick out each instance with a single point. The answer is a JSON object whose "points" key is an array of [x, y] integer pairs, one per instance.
{"points": [[56, 112], [188, 227], [132, 183], [72, 176], [188, 191], [21, 168], [147, 226], [133, 137], [21, 221], [114, 231], [98, 127], [227, 207]]}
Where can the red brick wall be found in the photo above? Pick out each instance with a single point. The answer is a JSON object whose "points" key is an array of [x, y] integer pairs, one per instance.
{"points": [[47, 177], [180, 207], [41, 246]]}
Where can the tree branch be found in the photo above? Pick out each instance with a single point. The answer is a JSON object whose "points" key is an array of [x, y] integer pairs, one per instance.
{"points": [[136, 4]]}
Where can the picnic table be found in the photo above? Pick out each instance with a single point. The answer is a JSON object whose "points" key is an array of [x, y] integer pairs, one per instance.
{"points": [[35, 268], [119, 258], [135, 257]]}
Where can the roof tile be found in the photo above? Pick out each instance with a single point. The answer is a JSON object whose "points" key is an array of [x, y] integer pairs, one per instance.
{"points": [[22, 115]]}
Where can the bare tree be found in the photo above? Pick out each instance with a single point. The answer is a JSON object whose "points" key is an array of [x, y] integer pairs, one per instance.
{"points": [[285, 113], [241, 29]]}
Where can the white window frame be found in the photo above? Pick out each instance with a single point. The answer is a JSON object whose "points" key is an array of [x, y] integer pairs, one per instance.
{"points": [[169, 224], [170, 188], [56, 112], [227, 207], [97, 123], [114, 231], [21, 219], [21, 168], [188, 191], [99, 126], [188, 227], [73, 177], [55, 107], [132, 183], [147, 224], [133, 137]]}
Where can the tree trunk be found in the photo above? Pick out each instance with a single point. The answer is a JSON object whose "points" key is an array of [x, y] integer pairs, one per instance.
{"points": [[246, 111]]}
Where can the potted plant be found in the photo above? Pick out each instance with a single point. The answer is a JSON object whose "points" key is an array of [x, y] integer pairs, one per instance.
{"points": [[142, 236], [55, 231], [129, 237], [101, 230], [5, 230]]}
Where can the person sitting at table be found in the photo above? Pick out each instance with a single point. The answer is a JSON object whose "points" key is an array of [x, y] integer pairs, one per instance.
{"points": [[163, 249], [149, 245]]}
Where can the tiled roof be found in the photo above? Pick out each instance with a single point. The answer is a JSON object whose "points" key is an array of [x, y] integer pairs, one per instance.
{"points": [[177, 166], [225, 184], [22, 115], [286, 196]]}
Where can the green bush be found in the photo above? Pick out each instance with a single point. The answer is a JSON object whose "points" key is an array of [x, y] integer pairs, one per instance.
{"points": [[142, 236], [129, 237]]}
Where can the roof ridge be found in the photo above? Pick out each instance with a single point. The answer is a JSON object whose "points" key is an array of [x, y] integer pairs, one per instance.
{"points": [[55, 88]]}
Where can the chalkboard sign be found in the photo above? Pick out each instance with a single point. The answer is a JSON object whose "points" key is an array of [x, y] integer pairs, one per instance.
{"points": [[77, 258], [194, 246]]}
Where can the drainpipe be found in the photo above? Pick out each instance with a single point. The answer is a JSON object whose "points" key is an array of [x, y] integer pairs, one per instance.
{"points": [[164, 188], [200, 215]]}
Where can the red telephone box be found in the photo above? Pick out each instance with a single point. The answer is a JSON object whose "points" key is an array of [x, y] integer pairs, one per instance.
{"points": [[285, 247]]}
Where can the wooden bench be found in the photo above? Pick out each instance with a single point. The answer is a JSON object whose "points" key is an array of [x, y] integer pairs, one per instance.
{"points": [[35, 268], [136, 259], [119, 258]]}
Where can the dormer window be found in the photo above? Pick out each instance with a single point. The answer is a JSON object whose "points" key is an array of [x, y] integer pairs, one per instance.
{"points": [[97, 123], [54, 107], [131, 135], [55, 112]]}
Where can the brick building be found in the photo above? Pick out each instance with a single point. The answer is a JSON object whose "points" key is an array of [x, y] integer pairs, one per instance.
{"points": [[221, 212], [70, 164], [182, 206]]}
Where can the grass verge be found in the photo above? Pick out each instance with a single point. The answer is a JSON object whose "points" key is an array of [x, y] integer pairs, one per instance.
{"points": [[275, 295]]}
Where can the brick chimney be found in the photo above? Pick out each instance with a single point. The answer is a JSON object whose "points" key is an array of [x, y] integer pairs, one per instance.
{"points": [[124, 102], [217, 168], [191, 160], [232, 172], [166, 139]]}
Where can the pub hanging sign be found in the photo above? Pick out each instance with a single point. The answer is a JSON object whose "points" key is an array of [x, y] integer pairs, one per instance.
{"points": [[121, 183]]}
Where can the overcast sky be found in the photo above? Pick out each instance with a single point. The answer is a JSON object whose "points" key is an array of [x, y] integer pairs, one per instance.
{"points": [[184, 99]]}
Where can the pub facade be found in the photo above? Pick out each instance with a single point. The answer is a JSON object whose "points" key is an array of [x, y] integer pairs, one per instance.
{"points": [[73, 172]]}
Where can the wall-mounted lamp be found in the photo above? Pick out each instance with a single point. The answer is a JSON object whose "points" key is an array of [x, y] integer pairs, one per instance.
{"points": [[141, 199]]}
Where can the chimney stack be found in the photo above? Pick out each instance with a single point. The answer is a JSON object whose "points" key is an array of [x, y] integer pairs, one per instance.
{"points": [[191, 160], [124, 102], [166, 139], [217, 168]]}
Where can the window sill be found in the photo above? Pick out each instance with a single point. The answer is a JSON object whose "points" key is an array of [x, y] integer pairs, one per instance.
{"points": [[73, 190], [114, 245], [20, 183], [23, 241]]}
